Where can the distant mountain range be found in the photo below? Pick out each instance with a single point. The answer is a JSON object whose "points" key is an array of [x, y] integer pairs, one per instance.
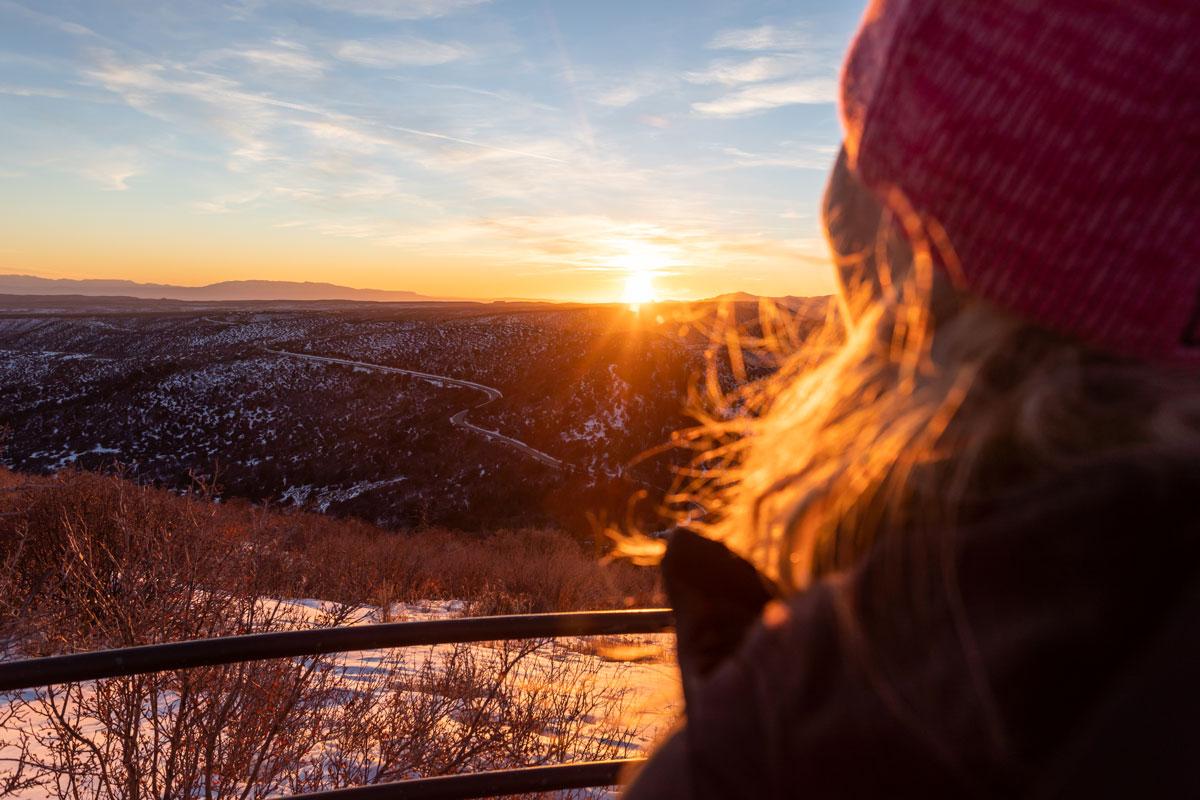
{"points": [[225, 290], [293, 291]]}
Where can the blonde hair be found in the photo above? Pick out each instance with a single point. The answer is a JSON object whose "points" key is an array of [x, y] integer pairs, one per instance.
{"points": [[903, 420], [890, 423]]}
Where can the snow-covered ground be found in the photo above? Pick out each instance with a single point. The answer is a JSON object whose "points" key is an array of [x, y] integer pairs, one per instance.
{"points": [[637, 672], [641, 664]]}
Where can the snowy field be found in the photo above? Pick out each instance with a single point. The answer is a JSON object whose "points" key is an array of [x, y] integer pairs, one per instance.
{"points": [[623, 690]]}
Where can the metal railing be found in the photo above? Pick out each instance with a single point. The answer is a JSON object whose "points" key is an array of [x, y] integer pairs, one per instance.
{"points": [[39, 672], [487, 784]]}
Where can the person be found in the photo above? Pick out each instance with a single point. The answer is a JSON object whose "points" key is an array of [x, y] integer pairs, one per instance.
{"points": [[959, 556]]}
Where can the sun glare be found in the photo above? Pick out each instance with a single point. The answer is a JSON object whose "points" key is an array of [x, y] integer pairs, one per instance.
{"points": [[639, 290]]}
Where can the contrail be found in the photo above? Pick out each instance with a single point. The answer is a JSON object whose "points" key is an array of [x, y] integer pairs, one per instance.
{"points": [[338, 117], [569, 73], [492, 147]]}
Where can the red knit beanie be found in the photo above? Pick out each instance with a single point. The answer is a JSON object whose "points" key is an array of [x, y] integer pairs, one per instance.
{"points": [[1058, 144]]}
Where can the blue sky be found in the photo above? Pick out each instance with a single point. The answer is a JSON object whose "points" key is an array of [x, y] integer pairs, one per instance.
{"points": [[456, 147]]}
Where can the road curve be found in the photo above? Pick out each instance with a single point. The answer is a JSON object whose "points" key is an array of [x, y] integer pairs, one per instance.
{"points": [[459, 420]]}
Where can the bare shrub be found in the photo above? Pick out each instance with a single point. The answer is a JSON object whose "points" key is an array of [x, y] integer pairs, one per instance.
{"points": [[298, 554], [508, 571], [251, 731], [92, 562], [465, 709]]}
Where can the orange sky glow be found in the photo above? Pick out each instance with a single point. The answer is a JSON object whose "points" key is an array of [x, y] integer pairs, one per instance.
{"points": [[465, 148]]}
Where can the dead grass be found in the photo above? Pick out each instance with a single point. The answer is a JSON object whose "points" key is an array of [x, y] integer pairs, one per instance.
{"points": [[296, 554], [90, 561]]}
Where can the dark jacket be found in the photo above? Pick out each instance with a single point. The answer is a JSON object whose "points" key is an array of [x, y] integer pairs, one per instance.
{"points": [[1066, 662]]}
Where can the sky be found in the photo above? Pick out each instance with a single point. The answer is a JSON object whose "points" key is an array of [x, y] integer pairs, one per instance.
{"points": [[554, 149]]}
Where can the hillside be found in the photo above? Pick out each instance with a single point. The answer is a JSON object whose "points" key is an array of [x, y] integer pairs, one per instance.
{"points": [[247, 400]]}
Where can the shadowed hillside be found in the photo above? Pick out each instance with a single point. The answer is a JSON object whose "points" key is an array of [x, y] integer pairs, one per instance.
{"points": [[298, 407]]}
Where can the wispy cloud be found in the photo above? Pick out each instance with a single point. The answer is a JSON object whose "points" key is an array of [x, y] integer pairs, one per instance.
{"points": [[794, 156], [284, 56], [227, 203], [280, 57], [633, 89], [764, 37], [313, 154], [766, 96], [510, 100], [32, 91], [731, 73], [793, 69], [112, 168], [496, 149], [48, 20], [401, 51], [235, 108], [621, 96], [346, 137], [399, 9]]}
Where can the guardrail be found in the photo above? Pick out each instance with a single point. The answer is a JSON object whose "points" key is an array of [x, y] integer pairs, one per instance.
{"points": [[38, 672]]}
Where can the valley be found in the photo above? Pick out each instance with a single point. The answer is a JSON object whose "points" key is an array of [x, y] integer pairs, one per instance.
{"points": [[463, 415]]}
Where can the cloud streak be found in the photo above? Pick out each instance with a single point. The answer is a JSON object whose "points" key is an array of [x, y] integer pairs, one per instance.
{"points": [[788, 69], [48, 20], [732, 73], [401, 51], [767, 96], [399, 9], [33, 91], [791, 38], [284, 57]]}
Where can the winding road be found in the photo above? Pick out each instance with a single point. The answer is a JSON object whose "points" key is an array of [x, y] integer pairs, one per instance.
{"points": [[459, 420]]}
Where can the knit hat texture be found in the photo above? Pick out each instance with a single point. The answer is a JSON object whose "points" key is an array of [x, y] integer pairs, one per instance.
{"points": [[1057, 142]]}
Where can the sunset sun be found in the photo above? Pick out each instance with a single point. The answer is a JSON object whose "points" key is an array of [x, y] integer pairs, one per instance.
{"points": [[639, 290]]}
